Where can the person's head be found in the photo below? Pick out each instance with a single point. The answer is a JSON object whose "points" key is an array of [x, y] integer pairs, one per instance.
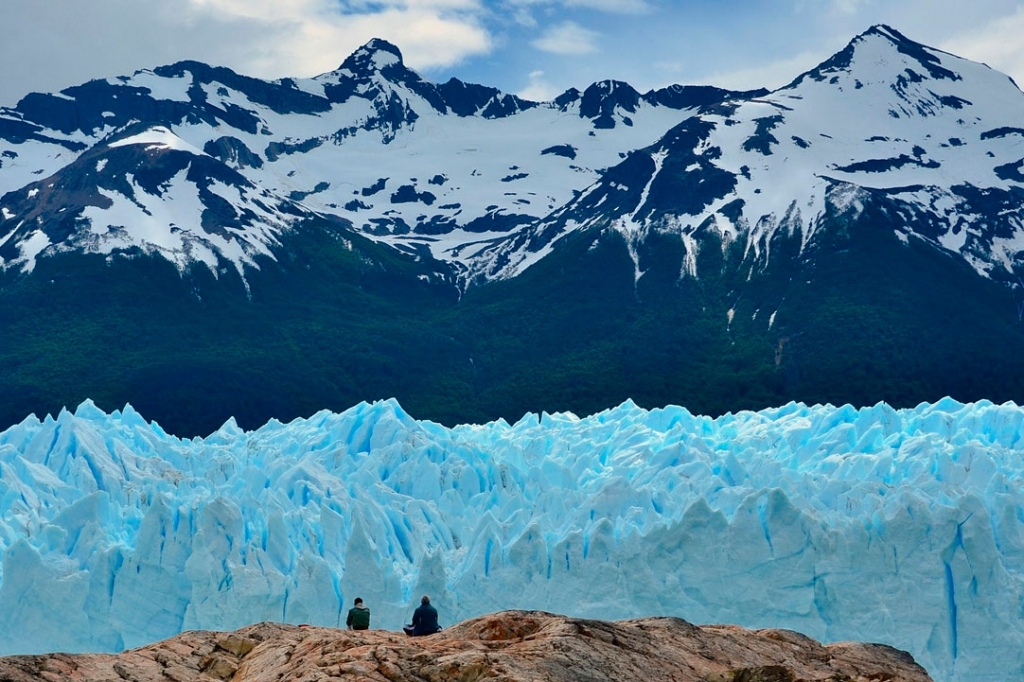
{"points": [[359, 601], [425, 599]]}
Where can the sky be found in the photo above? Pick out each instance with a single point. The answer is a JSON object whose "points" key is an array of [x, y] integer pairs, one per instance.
{"points": [[534, 48]]}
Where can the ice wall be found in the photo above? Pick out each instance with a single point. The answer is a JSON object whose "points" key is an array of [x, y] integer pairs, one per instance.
{"points": [[897, 526]]}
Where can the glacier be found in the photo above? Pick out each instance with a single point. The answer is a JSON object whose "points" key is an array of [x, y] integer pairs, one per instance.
{"points": [[904, 527]]}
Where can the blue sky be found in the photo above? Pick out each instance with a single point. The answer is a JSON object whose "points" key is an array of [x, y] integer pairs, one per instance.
{"points": [[536, 48]]}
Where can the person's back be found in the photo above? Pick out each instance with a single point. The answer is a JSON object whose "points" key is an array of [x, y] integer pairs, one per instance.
{"points": [[424, 619], [358, 616]]}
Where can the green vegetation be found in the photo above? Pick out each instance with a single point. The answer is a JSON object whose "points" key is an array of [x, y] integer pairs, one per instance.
{"points": [[860, 317]]}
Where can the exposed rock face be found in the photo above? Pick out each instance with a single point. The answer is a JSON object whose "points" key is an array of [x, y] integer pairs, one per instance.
{"points": [[510, 646]]}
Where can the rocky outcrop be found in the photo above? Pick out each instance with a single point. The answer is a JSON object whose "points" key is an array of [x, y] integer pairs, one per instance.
{"points": [[511, 646]]}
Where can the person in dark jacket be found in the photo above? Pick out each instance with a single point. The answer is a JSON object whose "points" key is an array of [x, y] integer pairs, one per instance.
{"points": [[424, 620], [358, 616]]}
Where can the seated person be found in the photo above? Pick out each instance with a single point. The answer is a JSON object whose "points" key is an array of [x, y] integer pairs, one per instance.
{"points": [[358, 616], [424, 620]]}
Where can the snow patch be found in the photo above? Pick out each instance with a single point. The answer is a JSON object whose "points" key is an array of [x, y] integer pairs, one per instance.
{"points": [[159, 137], [31, 247]]}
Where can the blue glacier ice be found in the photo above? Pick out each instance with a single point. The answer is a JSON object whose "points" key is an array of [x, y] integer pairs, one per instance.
{"points": [[897, 526]]}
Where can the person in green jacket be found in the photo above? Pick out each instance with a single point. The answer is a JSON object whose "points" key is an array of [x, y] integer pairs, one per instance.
{"points": [[358, 616]]}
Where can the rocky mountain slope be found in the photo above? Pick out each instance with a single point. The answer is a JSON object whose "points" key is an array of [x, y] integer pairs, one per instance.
{"points": [[430, 168], [933, 139], [205, 245], [512, 645], [450, 170]]}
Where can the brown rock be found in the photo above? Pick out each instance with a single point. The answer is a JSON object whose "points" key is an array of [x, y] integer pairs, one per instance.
{"points": [[219, 666], [510, 646], [236, 644]]}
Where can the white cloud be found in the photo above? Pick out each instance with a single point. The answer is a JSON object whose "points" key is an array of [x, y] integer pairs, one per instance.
{"points": [[771, 75], [370, 6], [849, 7], [567, 37], [538, 89], [614, 6], [273, 38], [610, 6], [263, 38], [312, 36], [997, 43], [523, 17], [843, 7]]}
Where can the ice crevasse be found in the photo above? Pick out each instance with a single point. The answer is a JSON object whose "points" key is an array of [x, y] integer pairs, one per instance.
{"points": [[904, 527]]}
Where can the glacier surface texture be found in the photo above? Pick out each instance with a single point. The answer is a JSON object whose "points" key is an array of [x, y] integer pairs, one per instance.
{"points": [[896, 526]]}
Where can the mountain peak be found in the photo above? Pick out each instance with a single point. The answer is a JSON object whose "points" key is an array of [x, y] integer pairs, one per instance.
{"points": [[885, 31], [381, 45], [602, 99], [375, 55], [873, 45], [927, 57]]}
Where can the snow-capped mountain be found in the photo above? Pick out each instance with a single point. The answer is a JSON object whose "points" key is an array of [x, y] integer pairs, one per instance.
{"points": [[936, 140], [205, 245], [267, 249], [147, 189], [452, 169], [433, 168], [893, 526]]}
